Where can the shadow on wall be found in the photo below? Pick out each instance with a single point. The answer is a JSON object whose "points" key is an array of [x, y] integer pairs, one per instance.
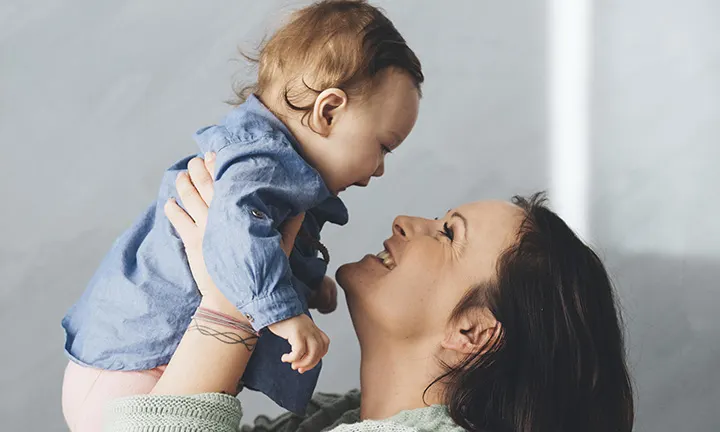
{"points": [[670, 311]]}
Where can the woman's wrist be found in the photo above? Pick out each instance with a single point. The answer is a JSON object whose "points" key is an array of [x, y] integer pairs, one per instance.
{"points": [[213, 353]]}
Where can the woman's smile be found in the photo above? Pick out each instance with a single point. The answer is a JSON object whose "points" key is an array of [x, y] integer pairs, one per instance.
{"points": [[387, 257]]}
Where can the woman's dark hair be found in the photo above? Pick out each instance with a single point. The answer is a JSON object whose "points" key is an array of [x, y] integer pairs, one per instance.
{"points": [[559, 363]]}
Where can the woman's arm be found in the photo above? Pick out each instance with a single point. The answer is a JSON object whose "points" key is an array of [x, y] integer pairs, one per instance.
{"points": [[210, 359]]}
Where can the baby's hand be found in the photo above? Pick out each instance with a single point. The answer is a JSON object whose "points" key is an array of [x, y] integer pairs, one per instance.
{"points": [[309, 343], [324, 298]]}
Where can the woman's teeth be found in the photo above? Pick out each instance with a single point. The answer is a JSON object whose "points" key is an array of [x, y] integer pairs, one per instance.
{"points": [[386, 259]]}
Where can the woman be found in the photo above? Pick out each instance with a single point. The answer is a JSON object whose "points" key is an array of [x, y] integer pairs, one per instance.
{"points": [[508, 323]]}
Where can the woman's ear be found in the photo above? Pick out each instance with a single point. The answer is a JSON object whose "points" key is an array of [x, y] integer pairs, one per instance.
{"points": [[472, 334], [328, 106]]}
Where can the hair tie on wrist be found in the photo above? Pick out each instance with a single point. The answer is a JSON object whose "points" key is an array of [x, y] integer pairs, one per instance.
{"points": [[214, 317]]}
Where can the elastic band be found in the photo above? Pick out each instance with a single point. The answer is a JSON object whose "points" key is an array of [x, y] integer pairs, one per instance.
{"points": [[211, 316]]}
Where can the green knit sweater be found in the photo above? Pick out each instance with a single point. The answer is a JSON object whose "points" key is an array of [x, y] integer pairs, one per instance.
{"points": [[222, 413]]}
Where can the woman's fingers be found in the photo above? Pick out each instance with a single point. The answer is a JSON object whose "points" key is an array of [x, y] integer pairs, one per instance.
{"points": [[325, 303], [179, 219], [325, 297], [210, 163], [191, 199], [201, 178], [289, 231]]}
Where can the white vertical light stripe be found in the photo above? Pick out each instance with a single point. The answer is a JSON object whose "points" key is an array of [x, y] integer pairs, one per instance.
{"points": [[570, 56]]}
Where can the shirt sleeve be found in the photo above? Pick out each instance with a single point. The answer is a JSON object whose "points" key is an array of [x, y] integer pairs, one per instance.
{"points": [[256, 189], [163, 413]]}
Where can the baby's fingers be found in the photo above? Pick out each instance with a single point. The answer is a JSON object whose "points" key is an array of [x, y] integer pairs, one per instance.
{"points": [[317, 348], [289, 230], [299, 351]]}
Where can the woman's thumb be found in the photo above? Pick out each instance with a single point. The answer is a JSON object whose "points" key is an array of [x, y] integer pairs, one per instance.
{"points": [[289, 231]]}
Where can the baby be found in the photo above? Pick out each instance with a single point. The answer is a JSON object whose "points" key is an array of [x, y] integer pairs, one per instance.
{"points": [[338, 89]]}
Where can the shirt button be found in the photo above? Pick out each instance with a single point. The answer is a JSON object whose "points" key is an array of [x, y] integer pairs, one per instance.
{"points": [[249, 317], [257, 214]]}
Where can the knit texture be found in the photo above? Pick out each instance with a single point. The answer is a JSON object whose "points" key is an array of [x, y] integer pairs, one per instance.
{"points": [[222, 413], [435, 418], [214, 412]]}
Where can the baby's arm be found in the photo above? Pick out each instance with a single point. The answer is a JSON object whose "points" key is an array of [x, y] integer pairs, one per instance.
{"points": [[242, 243], [254, 193]]}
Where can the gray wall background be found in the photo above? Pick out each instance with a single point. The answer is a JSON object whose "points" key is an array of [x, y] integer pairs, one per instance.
{"points": [[97, 98]]}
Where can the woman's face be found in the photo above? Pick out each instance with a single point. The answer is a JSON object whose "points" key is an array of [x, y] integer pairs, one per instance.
{"points": [[408, 291]]}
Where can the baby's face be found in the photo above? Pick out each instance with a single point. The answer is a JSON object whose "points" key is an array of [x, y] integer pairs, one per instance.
{"points": [[369, 130]]}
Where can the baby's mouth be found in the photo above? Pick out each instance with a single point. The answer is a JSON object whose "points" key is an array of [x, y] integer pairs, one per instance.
{"points": [[386, 259]]}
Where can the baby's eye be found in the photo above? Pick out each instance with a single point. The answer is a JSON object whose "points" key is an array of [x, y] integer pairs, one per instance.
{"points": [[386, 149]]}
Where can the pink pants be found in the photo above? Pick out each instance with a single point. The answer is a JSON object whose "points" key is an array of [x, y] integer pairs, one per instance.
{"points": [[86, 391]]}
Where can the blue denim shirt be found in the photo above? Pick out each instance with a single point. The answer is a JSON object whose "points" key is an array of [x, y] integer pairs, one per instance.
{"points": [[139, 302]]}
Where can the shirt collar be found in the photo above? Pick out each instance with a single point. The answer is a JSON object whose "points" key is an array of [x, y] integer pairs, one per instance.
{"points": [[333, 209], [254, 105]]}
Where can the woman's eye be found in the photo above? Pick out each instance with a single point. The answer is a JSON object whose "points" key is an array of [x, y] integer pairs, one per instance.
{"points": [[386, 149], [448, 232]]}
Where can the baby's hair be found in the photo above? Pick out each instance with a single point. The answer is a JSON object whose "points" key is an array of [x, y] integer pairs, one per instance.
{"points": [[341, 44]]}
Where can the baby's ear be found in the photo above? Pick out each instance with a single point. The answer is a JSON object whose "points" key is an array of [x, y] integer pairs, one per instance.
{"points": [[328, 106]]}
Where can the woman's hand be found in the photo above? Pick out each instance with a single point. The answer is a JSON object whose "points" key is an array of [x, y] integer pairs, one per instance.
{"points": [[195, 189]]}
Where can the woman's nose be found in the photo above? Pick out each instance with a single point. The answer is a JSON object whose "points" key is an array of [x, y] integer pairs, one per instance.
{"points": [[408, 226], [398, 224]]}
